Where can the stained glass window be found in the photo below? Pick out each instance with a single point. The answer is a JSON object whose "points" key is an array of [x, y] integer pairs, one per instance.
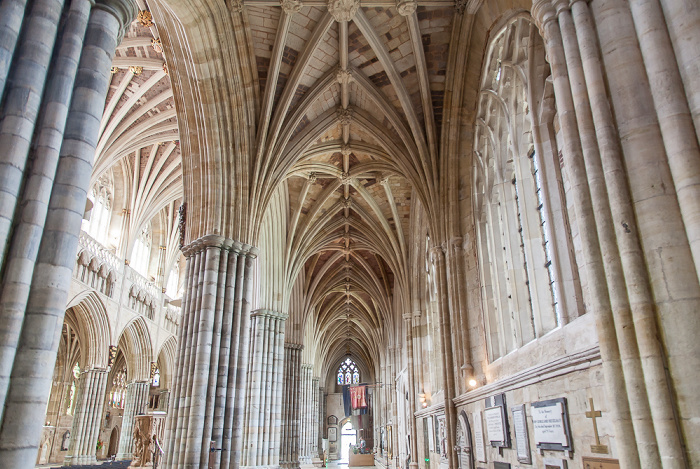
{"points": [[348, 373]]}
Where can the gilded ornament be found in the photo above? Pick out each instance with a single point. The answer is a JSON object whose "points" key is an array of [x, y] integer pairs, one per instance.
{"points": [[144, 17], [157, 45], [136, 69], [114, 70]]}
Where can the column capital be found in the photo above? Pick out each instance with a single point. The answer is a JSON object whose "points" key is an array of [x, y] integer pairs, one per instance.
{"points": [[293, 346], [124, 11], [407, 316], [218, 241], [543, 11], [269, 313]]}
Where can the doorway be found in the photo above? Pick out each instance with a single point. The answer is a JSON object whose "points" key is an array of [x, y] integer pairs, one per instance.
{"points": [[348, 436], [113, 443]]}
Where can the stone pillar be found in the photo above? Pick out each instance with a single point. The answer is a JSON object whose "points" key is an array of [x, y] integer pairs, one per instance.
{"points": [[408, 325], [164, 401], [264, 396], [316, 417], [207, 402], [22, 102], [289, 448], [630, 34], [437, 254], [87, 417], [30, 327], [599, 299], [136, 403]]}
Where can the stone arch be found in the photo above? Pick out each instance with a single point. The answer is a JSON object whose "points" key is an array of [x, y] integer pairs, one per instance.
{"points": [[463, 447], [89, 315], [166, 362], [135, 342]]}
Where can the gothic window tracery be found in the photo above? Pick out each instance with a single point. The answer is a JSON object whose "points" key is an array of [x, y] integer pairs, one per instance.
{"points": [[142, 251], [348, 373], [519, 288], [117, 397], [97, 226]]}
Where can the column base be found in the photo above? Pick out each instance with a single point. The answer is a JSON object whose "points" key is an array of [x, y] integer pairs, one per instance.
{"points": [[80, 460]]}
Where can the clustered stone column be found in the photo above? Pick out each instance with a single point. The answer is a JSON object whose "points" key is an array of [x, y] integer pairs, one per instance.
{"points": [[135, 404], [53, 100], [635, 196], [85, 430], [207, 402], [306, 401], [264, 399], [289, 446]]}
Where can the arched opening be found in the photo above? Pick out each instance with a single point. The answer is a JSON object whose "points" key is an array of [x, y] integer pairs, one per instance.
{"points": [[348, 438], [113, 443]]}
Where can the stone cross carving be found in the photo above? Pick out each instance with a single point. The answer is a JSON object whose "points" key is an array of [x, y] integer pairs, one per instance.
{"points": [[593, 414]]}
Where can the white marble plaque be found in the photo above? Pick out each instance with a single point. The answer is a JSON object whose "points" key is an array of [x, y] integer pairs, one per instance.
{"points": [[522, 444], [479, 438], [494, 424], [548, 424]]}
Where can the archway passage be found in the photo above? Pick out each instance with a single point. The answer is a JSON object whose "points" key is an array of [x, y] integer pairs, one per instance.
{"points": [[113, 443], [348, 442]]}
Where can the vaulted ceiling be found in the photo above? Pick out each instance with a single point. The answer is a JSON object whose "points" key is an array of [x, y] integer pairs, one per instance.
{"points": [[349, 111]]}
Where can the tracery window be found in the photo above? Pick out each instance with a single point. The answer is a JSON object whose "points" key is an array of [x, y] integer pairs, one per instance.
{"points": [[173, 282], [520, 292], [101, 213], [348, 373], [117, 397], [141, 254]]}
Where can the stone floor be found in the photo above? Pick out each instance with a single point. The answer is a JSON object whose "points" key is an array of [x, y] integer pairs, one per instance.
{"points": [[100, 464]]}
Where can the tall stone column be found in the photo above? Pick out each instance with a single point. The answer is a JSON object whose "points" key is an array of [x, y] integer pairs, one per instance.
{"points": [[289, 448], [407, 321], [599, 298], [264, 396], [316, 417], [87, 418], [31, 325], [643, 116], [207, 401], [437, 254], [136, 403]]}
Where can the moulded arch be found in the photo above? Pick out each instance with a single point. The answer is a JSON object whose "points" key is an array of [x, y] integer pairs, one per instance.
{"points": [[135, 342], [166, 361], [92, 324]]}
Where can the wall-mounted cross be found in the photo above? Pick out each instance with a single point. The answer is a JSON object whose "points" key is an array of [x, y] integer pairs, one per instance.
{"points": [[593, 414]]}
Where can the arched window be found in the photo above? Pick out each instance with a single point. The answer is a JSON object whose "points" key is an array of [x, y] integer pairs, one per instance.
{"points": [[100, 217], [156, 378], [118, 395], [173, 282], [520, 290], [141, 254], [348, 373]]}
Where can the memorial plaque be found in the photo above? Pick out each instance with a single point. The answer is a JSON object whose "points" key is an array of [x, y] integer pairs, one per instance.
{"points": [[551, 425], [501, 465], [600, 463], [522, 439], [497, 431], [494, 424], [480, 450], [552, 463]]}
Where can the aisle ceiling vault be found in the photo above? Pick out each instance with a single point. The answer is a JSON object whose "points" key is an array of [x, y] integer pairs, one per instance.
{"points": [[351, 112]]}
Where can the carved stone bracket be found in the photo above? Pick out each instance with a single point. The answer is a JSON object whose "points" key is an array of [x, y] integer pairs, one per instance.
{"points": [[344, 76], [291, 6], [343, 10], [406, 7]]}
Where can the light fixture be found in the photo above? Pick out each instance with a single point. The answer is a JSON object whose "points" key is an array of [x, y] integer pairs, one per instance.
{"points": [[472, 383]]}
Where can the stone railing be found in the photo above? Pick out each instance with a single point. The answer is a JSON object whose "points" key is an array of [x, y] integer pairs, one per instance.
{"points": [[96, 266], [106, 273]]}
